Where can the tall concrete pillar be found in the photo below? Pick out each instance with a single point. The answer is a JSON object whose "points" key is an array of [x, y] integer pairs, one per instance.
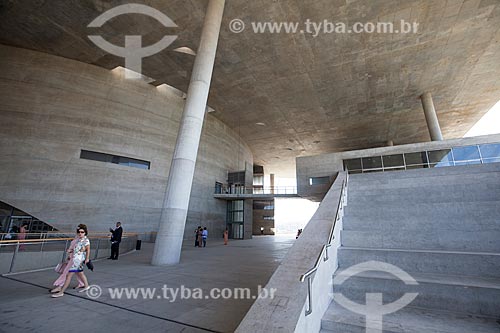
{"points": [[168, 244], [431, 117], [271, 180]]}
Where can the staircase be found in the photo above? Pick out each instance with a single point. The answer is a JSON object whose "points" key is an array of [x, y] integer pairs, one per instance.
{"points": [[442, 226]]}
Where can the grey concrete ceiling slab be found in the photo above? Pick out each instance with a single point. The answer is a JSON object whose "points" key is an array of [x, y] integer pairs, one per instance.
{"points": [[329, 93]]}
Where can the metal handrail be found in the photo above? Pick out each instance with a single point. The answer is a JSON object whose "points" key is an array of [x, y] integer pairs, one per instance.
{"points": [[17, 242], [324, 250], [256, 190]]}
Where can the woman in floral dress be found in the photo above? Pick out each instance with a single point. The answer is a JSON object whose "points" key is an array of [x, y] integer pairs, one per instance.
{"points": [[81, 256], [59, 283]]}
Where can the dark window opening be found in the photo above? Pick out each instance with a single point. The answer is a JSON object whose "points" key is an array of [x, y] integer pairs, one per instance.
{"points": [[120, 160]]}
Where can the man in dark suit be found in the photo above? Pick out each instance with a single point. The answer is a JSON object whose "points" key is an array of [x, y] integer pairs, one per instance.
{"points": [[116, 238]]}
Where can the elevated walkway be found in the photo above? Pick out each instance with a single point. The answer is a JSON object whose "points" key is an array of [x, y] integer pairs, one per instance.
{"points": [[256, 193]]}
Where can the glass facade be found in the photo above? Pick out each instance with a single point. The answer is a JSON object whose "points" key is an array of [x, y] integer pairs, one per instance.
{"points": [[11, 220], [235, 218], [466, 155]]}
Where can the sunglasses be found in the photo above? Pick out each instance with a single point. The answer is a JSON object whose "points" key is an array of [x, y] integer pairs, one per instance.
{"points": [[80, 231]]}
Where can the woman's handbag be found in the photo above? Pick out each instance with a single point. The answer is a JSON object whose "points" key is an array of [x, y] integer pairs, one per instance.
{"points": [[60, 267], [90, 265]]}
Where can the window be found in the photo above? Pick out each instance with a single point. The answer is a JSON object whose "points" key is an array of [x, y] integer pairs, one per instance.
{"points": [[120, 160], [218, 188], [319, 180], [490, 153]]}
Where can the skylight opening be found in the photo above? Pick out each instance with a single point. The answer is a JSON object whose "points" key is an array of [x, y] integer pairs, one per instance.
{"points": [[488, 124]]}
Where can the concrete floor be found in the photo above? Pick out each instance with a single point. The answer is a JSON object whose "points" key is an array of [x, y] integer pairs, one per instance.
{"points": [[25, 304]]}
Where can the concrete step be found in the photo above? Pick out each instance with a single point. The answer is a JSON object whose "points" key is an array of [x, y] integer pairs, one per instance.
{"points": [[420, 261], [482, 209], [453, 193], [451, 240], [424, 223], [431, 182], [408, 320], [470, 295]]}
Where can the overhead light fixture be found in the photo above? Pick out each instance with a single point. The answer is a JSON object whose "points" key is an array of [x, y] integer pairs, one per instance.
{"points": [[185, 50], [125, 72], [209, 109], [260, 124]]}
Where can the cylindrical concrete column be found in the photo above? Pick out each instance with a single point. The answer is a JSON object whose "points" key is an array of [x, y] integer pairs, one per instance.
{"points": [[271, 181], [431, 117], [168, 244]]}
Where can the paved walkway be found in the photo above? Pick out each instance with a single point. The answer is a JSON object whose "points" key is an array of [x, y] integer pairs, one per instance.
{"points": [[25, 304]]}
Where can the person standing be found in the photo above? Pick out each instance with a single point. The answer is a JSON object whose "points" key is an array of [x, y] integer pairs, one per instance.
{"points": [[81, 256], [116, 238], [196, 236], [22, 236], [226, 236], [204, 236], [199, 236]]}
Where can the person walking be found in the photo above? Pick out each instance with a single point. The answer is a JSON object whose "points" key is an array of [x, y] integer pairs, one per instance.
{"points": [[59, 283], [116, 238], [80, 257], [204, 236], [226, 236]]}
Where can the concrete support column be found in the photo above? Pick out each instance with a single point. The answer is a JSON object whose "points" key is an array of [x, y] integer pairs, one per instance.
{"points": [[271, 180], [390, 143], [168, 244], [431, 117]]}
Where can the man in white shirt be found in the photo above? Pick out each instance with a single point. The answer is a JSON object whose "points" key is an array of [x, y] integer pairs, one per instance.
{"points": [[204, 236]]}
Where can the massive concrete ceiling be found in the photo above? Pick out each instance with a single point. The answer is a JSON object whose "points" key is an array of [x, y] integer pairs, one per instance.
{"points": [[329, 93]]}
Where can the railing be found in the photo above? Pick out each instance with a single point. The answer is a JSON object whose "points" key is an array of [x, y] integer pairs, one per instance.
{"points": [[456, 156], [47, 247], [279, 190], [324, 250]]}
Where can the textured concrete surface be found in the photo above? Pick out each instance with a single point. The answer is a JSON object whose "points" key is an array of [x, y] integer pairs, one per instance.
{"points": [[286, 312], [52, 107], [333, 92], [28, 307], [450, 247]]}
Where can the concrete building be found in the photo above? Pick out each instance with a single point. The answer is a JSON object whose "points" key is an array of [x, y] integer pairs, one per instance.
{"points": [[277, 84]]}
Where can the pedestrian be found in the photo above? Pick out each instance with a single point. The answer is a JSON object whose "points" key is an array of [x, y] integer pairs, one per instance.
{"points": [[80, 257], [196, 236], [59, 283], [204, 236], [116, 238], [22, 236], [199, 236], [226, 236]]}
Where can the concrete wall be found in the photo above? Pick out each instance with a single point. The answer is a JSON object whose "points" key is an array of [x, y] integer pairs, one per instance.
{"points": [[52, 107], [330, 164], [286, 311]]}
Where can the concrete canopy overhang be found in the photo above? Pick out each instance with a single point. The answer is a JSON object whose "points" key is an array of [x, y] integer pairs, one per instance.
{"points": [[330, 93]]}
